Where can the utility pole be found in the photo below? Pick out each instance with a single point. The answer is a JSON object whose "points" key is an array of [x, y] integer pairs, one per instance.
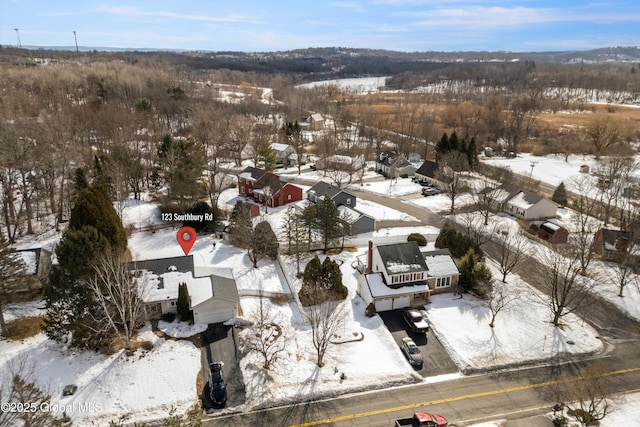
{"points": [[76, 39], [18, 33]]}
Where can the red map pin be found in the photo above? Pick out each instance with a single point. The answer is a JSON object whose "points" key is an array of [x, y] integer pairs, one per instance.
{"points": [[186, 237]]}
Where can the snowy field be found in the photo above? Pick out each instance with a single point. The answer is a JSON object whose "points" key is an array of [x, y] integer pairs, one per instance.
{"points": [[355, 85]]}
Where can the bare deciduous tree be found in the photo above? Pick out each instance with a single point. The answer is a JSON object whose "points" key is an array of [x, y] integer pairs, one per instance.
{"points": [[118, 297], [584, 224], [500, 298], [602, 134], [326, 319], [589, 395], [266, 336], [512, 251], [453, 165], [564, 288]]}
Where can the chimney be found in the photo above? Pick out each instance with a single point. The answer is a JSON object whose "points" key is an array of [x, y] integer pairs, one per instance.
{"points": [[369, 258]]}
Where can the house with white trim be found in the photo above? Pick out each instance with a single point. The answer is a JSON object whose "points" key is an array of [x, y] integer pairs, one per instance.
{"points": [[400, 275], [213, 297], [527, 205]]}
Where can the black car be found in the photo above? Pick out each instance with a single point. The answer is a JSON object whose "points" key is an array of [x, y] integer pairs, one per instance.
{"points": [[216, 383]]}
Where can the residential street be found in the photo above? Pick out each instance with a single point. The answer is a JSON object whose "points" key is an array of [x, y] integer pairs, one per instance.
{"points": [[514, 394]]}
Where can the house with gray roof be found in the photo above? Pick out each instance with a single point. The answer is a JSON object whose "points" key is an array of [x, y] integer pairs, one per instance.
{"points": [[212, 297], [428, 173], [400, 275], [392, 165], [339, 196], [527, 205]]}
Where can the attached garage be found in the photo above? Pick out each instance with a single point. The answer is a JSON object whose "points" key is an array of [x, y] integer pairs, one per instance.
{"points": [[372, 289], [220, 305], [384, 304], [401, 301]]}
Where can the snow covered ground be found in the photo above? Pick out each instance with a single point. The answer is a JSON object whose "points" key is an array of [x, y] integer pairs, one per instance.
{"points": [[522, 333], [146, 384]]}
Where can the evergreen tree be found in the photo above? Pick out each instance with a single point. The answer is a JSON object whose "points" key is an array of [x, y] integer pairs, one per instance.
{"points": [[474, 274], [203, 208], [418, 238], [264, 243], [457, 243], [181, 166], [443, 146], [183, 306], [265, 157], [331, 280], [309, 290], [327, 223], [66, 294], [560, 195], [11, 267], [472, 154], [240, 226], [95, 209]]}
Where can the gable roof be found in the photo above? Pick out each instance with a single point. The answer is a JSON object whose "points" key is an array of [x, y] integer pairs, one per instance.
{"points": [[253, 173], [428, 168], [391, 158], [182, 264], [322, 188], [402, 258], [524, 199], [440, 263]]}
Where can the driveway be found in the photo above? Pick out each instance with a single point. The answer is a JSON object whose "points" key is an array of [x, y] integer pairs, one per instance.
{"points": [[436, 359], [219, 343]]}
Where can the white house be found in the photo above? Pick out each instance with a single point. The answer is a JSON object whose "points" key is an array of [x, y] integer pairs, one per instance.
{"points": [[213, 297], [526, 205], [399, 275]]}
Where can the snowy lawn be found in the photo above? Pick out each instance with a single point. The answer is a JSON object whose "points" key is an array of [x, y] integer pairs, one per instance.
{"points": [[374, 361], [178, 329], [147, 384], [389, 187], [442, 203], [523, 332]]}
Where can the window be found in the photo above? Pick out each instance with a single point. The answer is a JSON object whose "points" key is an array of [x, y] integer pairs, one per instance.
{"points": [[443, 282], [173, 304], [241, 190], [349, 201], [289, 197]]}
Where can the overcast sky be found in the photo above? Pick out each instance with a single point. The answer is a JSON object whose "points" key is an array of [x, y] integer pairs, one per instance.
{"points": [[269, 25]]}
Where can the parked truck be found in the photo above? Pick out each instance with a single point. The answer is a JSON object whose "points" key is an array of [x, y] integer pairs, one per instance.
{"points": [[423, 419]]}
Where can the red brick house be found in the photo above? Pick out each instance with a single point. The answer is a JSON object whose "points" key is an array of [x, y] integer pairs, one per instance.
{"points": [[265, 187], [611, 245]]}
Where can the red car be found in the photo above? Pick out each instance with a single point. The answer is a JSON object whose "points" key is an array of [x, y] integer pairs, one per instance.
{"points": [[423, 419]]}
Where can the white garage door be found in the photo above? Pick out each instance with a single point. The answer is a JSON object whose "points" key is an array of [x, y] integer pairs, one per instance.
{"points": [[213, 316], [401, 302], [384, 304]]}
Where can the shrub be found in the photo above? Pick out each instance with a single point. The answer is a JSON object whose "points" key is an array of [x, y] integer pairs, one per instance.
{"points": [[370, 311], [418, 238], [168, 317]]}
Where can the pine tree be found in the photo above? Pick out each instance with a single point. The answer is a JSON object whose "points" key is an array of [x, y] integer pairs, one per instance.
{"points": [[11, 267], [184, 311], [309, 290], [240, 226], [560, 195], [327, 223], [264, 243], [332, 280], [474, 274], [265, 157]]}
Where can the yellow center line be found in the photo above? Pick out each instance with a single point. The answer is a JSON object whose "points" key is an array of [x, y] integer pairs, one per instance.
{"points": [[453, 399]]}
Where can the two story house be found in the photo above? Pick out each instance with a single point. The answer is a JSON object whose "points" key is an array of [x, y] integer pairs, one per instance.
{"points": [[265, 188], [400, 275], [339, 196], [393, 165]]}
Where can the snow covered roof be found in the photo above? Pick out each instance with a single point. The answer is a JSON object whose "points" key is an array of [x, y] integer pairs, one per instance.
{"points": [[378, 288], [164, 287], [30, 260], [440, 263], [278, 146], [524, 199], [353, 214], [402, 258]]}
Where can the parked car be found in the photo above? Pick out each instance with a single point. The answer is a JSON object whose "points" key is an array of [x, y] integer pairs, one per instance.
{"points": [[429, 191], [216, 383], [411, 350], [425, 316], [423, 419], [415, 320]]}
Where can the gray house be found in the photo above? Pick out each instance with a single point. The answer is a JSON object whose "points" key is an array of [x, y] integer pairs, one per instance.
{"points": [[339, 196], [213, 297], [392, 165], [358, 221]]}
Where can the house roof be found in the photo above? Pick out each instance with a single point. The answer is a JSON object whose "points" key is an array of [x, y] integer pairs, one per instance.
{"points": [[550, 227], [428, 168], [440, 263], [524, 199], [278, 146], [378, 288], [322, 188], [252, 173], [390, 158], [354, 214], [402, 258], [30, 259], [182, 264]]}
